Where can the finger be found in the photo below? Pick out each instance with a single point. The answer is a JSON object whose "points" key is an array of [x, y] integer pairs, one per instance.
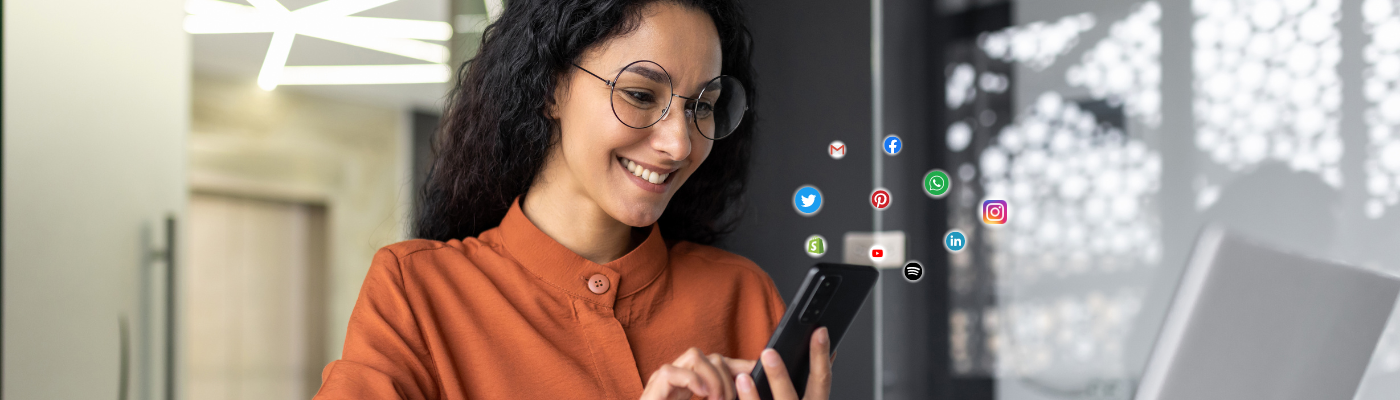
{"points": [[777, 373], [819, 376], [726, 377], [738, 366], [668, 379], [747, 390], [709, 374], [693, 360], [662, 391]]}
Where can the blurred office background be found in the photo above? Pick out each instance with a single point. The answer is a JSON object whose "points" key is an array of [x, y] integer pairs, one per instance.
{"points": [[192, 193]]}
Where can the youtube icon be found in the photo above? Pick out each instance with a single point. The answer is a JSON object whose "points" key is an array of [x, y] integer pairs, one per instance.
{"points": [[877, 254]]}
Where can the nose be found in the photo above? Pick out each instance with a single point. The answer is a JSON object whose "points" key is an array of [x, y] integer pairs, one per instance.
{"points": [[672, 135]]}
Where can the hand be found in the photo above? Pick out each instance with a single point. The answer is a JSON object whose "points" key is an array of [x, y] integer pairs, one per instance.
{"points": [[694, 373], [818, 377]]}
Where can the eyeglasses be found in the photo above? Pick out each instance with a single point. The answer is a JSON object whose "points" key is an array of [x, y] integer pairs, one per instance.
{"points": [[641, 96]]}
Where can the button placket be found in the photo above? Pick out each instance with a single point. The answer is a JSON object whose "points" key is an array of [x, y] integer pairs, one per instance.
{"points": [[611, 349]]}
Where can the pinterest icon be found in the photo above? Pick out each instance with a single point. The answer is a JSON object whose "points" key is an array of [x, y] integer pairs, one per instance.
{"points": [[880, 199]]}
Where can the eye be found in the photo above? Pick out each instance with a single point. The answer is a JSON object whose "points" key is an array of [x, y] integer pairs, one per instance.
{"points": [[703, 109], [639, 97]]}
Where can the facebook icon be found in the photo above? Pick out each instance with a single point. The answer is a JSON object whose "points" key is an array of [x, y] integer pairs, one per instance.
{"points": [[954, 240], [892, 145]]}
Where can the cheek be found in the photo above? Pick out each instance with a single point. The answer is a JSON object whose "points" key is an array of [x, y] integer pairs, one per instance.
{"points": [[588, 136], [589, 149], [700, 150]]}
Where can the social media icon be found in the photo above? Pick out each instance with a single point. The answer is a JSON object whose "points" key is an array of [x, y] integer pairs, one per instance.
{"points": [[936, 183], [880, 199], [954, 240], [837, 149], [816, 246], [913, 270], [994, 212], [892, 144], [807, 200], [877, 253]]}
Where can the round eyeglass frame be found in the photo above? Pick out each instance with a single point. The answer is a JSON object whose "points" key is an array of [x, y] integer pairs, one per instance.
{"points": [[612, 85]]}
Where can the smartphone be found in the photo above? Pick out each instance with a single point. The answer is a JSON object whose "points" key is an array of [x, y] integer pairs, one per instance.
{"points": [[830, 296]]}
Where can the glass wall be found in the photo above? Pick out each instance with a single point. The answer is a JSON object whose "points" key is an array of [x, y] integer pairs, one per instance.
{"points": [[1116, 129]]}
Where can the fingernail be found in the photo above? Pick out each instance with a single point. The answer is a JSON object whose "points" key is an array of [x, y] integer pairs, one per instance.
{"points": [[744, 383], [770, 358], [824, 337]]}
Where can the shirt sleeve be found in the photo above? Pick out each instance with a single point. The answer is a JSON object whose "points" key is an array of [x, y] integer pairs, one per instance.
{"points": [[385, 355], [776, 305]]}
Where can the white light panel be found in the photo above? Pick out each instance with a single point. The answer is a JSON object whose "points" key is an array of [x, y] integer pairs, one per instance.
{"points": [[330, 20]]}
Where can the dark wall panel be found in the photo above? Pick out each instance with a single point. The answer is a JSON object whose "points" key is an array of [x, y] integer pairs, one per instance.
{"points": [[813, 87]]}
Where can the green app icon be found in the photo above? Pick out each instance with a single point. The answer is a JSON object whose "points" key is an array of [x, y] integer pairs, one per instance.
{"points": [[936, 183], [816, 246]]}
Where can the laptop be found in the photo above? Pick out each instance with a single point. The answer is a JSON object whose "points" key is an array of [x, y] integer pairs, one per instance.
{"points": [[1251, 322]]}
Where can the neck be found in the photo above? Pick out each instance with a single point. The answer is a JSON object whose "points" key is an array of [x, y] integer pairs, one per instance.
{"points": [[577, 223]]}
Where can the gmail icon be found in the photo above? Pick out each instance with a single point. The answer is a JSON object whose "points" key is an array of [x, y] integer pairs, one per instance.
{"points": [[836, 149]]}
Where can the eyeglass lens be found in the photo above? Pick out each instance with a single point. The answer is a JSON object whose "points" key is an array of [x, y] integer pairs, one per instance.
{"points": [[720, 107], [642, 93]]}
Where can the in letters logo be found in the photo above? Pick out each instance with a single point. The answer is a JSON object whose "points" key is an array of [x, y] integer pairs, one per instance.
{"points": [[954, 240]]}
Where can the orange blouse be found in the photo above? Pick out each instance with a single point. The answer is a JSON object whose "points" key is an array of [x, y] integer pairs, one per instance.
{"points": [[512, 314]]}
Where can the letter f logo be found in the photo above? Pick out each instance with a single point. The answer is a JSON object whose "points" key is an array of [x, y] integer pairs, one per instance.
{"points": [[892, 144]]}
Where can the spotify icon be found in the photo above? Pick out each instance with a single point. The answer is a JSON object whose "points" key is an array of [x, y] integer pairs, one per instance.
{"points": [[913, 271]]}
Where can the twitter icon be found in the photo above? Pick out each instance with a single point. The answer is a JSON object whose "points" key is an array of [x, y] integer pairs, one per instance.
{"points": [[807, 200]]}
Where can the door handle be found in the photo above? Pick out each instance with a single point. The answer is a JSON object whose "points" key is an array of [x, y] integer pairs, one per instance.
{"points": [[170, 307]]}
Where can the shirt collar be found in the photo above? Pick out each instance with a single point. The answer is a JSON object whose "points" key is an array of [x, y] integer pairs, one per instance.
{"points": [[550, 261]]}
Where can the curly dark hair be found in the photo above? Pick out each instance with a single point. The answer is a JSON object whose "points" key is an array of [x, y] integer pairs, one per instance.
{"points": [[495, 135]]}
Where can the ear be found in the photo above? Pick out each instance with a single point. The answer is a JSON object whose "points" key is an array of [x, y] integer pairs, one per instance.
{"points": [[560, 95], [551, 110], [551, 107]]}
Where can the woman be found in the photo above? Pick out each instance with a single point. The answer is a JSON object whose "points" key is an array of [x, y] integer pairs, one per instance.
{"points": [[587, 154]]}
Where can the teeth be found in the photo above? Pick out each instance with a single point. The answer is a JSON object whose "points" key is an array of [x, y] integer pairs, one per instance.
{"points": [[646, 174]]}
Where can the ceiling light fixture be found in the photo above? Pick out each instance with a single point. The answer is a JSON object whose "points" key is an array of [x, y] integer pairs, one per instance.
{"points": [[365, 74], [329, 20]]}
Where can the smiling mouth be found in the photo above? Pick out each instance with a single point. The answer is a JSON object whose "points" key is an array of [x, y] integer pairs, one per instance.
{"points": [[653, 177]]}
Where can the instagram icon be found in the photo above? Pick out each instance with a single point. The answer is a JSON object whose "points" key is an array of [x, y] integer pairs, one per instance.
{"points": [[994, 212]]}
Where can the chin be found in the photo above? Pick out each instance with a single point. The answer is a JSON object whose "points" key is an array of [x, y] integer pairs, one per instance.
{"points": [[639, 213]]}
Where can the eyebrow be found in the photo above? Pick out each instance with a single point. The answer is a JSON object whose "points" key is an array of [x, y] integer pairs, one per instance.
{"points": [[660, 77], [645, 72], [712, 85], [709, 87]]}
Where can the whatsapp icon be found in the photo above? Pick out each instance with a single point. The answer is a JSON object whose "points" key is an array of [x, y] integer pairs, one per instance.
{"points": [[936, 183]]}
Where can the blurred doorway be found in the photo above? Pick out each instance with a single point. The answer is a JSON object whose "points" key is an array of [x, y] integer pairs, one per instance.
{"points": [[254, 298]]}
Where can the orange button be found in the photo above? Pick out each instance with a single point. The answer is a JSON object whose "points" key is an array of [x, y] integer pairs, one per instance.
{"points": [[598, 283]]}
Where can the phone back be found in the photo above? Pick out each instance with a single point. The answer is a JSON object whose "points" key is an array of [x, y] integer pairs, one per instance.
{"points": [[831, 295]]}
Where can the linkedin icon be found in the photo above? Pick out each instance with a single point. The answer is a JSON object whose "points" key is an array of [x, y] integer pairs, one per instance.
{"points": [[954, 240]]}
